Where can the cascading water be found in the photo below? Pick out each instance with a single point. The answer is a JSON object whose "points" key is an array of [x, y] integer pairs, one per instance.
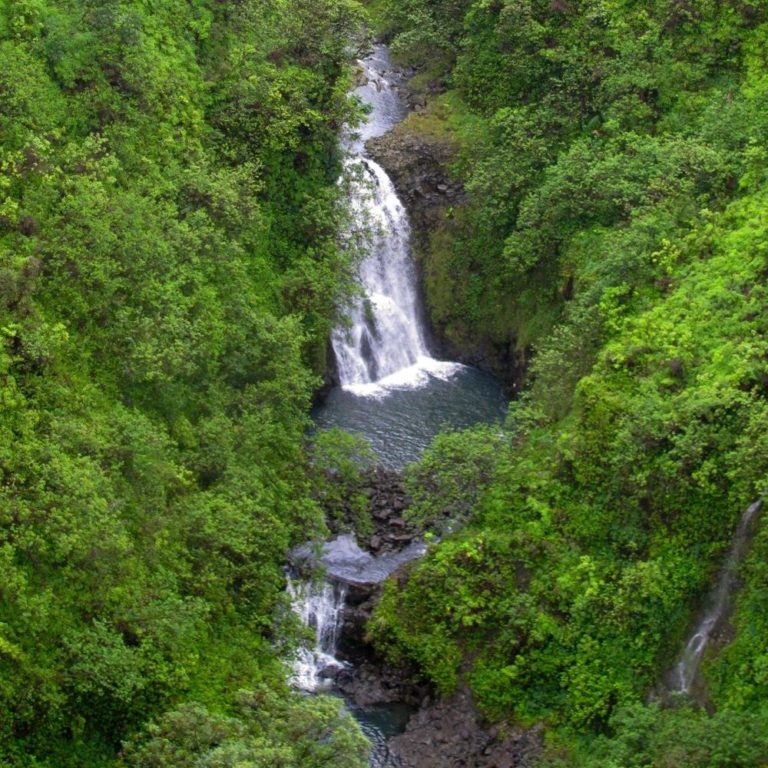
{"points": [[320, 607], [385, 337], [683, 676]]}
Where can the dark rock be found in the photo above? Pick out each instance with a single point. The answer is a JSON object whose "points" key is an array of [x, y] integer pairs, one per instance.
{"points": [[371, 682], [452, 733], [330, 374], [418, 166]]}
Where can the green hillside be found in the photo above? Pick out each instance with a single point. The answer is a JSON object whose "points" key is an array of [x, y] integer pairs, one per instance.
{"points": [[169, 273], [616, 228]]}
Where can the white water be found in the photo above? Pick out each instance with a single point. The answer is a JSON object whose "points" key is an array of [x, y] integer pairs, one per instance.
{"points": [[685, 671], [384, 345], [320, 607]]}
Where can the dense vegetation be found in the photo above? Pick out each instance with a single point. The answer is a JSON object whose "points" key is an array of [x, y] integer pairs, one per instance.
{"points": [[613, 154], [169, 272]]}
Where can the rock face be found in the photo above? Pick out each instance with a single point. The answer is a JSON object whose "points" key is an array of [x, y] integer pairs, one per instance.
{"points": [[387, 500], [417, 166], [451, 734], [370, 683], [330, 373]]}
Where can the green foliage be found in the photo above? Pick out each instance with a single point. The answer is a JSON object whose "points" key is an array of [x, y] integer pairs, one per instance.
{"points": [[339, 460], [269, 731], [603, 129], [650, 737], [168, 272], [614, 231], [594, 533], [445, 483], [425, 31]]}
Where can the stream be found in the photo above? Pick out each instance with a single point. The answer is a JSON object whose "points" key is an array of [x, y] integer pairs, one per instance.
{"points": [[393, 392]]}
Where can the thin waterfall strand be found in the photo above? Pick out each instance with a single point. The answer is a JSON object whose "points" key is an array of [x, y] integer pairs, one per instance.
{"points": [[685, 671]]}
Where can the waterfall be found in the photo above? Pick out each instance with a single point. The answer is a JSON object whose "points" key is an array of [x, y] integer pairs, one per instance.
{"points": [[319, 606], [385, 334], [684, 673], [384, 343]]}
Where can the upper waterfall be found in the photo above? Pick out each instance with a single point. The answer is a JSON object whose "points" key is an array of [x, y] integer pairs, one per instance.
{"points": [[385, 342]]}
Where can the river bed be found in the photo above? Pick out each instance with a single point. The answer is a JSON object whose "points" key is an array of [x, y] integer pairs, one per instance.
{"points": [[392, 392]]}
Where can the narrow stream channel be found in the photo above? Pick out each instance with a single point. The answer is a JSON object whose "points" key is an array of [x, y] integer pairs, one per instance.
{"points": [[393, 392]]}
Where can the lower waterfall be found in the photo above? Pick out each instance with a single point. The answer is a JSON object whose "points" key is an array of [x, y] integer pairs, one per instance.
{"points": [[320, 607]]}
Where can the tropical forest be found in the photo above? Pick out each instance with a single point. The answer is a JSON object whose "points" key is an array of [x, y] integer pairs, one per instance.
{"points": [[383, 383]]}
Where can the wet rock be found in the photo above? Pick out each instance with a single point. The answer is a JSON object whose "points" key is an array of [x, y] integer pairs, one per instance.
{"points": [[370, 683], [387, 502]]}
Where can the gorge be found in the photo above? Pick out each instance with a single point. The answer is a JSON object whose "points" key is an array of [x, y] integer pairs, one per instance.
{"points": [[501, 356], [391, 391]]}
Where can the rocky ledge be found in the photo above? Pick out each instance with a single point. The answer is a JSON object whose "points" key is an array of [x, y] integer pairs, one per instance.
{"points": [[418, 167], [387, 501]]}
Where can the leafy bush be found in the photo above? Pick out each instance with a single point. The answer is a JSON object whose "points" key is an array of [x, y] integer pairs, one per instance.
{"points": [[446, 481], [269, 731], [339, 461]]}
